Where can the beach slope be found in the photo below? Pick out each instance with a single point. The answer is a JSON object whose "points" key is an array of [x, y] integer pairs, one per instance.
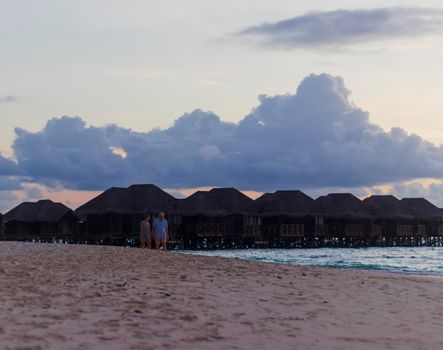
{"points": [[95, 297]]}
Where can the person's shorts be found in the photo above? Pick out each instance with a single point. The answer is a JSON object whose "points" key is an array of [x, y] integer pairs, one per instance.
{"points": [[161, 235], [145, 237]]}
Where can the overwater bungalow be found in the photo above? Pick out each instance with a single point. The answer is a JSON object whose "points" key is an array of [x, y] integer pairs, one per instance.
{"points": [[225, 217], [242, 219], [202, 219], [40, 220], [390, 218], [340, 218], [428, 218], [219, 217], [285, 217], [115, 214]]}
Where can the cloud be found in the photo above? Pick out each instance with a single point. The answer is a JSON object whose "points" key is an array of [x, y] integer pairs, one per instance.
{"points": [[330, 29], [433, 191], [315, 138], [7, 200], [14, 193], [7, 167], [8, 192], [69, 153], [8, 183], [6, 99]]}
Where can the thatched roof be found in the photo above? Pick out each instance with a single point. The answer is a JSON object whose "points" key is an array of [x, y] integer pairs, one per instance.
{"points": [[198, 203], [150, 197], [232, 200], [218, 201], [339, 204], [386, 206], [133, 199], [421, 207], [223, 201], [285, 203], [42, 211]]}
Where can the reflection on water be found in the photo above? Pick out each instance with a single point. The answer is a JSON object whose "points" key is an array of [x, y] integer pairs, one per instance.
{"points": [[422, 260]]}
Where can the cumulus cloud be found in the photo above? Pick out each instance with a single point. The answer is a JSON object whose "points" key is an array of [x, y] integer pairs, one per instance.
{"points": [[7, 167], [343, 27], [314, 138], [69, 153], [6, 99]]}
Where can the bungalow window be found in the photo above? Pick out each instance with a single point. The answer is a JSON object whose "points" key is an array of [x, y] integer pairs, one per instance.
{"points": [[212, 229], [289, 230], [376, 230], [421, 230], [252, 225], [404, 230]]}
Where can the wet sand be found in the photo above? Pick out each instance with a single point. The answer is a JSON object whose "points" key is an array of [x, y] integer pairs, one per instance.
{"points": [[92, 297]]}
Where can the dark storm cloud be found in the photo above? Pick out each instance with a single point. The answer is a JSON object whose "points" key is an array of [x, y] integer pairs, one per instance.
{"points": [[313, 138], [342, 27]]}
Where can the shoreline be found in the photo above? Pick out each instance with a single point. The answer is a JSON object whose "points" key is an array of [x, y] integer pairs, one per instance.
{"points": [[262, 256], [103, 297], [355, 269]]}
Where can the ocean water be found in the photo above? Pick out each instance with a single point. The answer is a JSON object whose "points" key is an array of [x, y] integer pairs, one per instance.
{"points": [[414, 260]]}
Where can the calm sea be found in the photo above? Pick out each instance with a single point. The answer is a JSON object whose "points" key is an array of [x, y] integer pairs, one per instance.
{"points": [[417, 260]]}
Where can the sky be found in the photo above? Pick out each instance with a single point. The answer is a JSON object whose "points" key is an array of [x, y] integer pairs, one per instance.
{"points": [[323, 96]]}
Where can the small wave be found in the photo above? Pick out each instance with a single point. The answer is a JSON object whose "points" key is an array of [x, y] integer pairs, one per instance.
{"points": [[357, 266], [420, 260]]}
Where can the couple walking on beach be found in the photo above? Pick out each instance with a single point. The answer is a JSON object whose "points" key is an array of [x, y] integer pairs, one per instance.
{"points": [[159, 232]]}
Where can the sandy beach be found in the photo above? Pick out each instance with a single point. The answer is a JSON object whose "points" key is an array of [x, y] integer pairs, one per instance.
{"points": [[95, 297]]}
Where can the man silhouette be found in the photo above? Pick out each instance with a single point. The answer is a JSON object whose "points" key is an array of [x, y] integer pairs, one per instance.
{"points": [[160, 230]]}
